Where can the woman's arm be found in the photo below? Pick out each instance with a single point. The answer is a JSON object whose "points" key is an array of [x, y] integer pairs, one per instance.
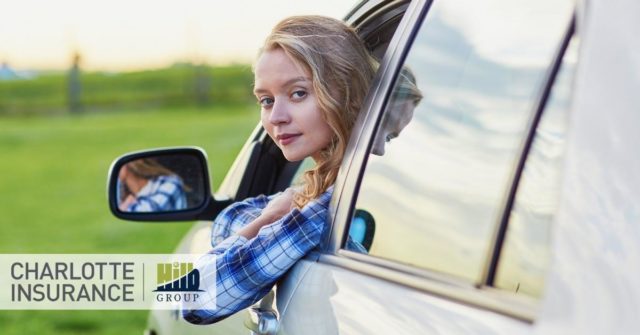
{"points": [[246, 269], [159, 196], [278, 207], [237, 216]]}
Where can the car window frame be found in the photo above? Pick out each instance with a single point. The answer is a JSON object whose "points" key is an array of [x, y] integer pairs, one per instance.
{"points": [[481, 294], [368, 119], [498, 238]]}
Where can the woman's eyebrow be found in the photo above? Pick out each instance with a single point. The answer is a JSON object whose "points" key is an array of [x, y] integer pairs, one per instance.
{"points": [[295, 80], [289, 82]]}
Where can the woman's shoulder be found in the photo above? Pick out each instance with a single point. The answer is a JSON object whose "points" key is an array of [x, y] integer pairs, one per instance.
{"points": [[321, 202], [166, 182]]}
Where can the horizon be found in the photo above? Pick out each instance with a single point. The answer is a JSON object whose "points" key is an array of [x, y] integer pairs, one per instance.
{"points": [[148, 35], [123, 70]]}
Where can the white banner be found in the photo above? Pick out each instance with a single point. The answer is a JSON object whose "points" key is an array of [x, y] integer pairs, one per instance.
{"points": [[105, 281]]}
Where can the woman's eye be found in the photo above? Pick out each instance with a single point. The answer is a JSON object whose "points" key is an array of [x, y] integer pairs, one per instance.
{"points": [[265, 102], [299, 94]]}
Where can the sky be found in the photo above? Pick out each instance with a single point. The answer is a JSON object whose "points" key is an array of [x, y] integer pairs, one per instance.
{"points": [[121, 35]]}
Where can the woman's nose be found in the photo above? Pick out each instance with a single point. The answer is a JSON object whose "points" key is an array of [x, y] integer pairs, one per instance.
{"points": [[279, 112], [378, 146]]}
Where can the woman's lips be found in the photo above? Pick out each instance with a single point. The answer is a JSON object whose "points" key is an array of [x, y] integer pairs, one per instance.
{"points": [[285, 139]]}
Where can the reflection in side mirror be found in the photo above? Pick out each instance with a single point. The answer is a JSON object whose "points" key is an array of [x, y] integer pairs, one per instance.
{"points": [[161, 185], [157, 184]]}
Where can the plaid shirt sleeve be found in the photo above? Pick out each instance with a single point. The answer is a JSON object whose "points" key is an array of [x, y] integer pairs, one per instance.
{"points": [[165, 193], [236, 216], [245, 270]]}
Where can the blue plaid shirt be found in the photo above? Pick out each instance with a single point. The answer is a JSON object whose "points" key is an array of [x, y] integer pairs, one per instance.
{"points": [[246, 270], [162, 193]]}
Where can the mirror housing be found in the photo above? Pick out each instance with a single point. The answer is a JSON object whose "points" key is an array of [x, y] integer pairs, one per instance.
{"points": [[168, 184]]}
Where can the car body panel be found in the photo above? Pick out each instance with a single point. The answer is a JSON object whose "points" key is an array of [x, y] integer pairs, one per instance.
{"points": [[348, 302], [593, 283]]}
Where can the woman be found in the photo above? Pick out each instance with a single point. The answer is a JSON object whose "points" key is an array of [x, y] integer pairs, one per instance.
{"points": [[148, 186], [405, 98], [311, 78]]}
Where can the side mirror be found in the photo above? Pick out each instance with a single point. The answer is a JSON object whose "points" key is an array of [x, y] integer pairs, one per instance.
{"points": [[162, 185]]}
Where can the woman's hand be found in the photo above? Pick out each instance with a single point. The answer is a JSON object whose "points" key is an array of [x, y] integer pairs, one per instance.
{"points": [[276, 208], [279, 206], [124, 206]]}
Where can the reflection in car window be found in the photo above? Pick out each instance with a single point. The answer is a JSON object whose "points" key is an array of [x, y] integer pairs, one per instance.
{"points": [[525, 252], [435, 193]]}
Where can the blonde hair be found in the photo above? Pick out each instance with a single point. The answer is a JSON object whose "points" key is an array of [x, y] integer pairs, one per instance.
{"points": [[148, 168], [341, 69]]}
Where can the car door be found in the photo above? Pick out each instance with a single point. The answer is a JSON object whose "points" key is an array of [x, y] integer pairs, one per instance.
{"points": [[461, 222]]}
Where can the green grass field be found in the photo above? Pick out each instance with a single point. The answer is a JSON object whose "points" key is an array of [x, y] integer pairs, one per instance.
{"points": [[53, 199], [174, 86]]}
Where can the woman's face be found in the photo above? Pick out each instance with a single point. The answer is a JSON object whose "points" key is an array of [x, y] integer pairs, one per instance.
{"points": [[395, 119], [289, 107]]}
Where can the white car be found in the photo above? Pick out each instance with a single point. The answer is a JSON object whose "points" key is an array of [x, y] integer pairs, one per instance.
{"points": [[509, 204]]}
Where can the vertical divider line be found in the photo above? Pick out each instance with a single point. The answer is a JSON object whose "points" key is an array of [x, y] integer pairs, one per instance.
{"points": [[142, 281]]}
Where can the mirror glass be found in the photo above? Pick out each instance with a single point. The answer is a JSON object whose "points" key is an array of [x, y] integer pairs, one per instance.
{"points": [[161, 183]]}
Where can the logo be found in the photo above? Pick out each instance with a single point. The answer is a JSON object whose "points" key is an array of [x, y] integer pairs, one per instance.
{"points": [[177, 282], [169, 282], [177, 277]]}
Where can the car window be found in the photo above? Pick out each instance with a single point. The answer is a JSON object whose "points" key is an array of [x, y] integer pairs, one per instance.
{"points": [[525, 252], [445, 148]]}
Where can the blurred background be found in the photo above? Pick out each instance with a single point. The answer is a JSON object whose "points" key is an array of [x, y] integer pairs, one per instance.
{"points": [[82, 82]]}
